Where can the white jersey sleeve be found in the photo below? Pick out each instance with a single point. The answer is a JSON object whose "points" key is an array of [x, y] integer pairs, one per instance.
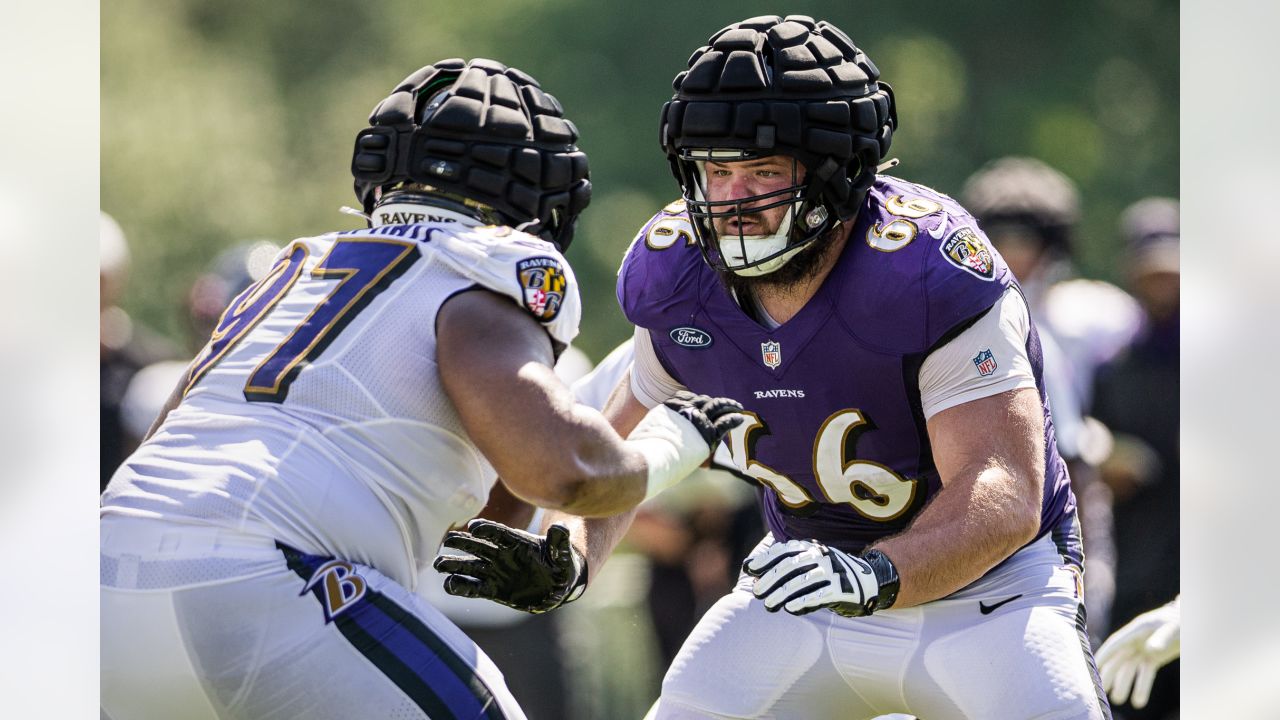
{"points": [[988, 358], [527, 270], [650, 382]]}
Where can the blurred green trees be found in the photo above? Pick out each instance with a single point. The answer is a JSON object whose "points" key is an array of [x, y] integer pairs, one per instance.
{"points": [[228, 120]]}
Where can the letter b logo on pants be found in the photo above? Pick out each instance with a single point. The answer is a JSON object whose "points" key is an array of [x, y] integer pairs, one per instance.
{"points": [[341, 587]]}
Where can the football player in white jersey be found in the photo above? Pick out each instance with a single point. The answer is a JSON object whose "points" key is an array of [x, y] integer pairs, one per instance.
{"points": [[260, 549]]}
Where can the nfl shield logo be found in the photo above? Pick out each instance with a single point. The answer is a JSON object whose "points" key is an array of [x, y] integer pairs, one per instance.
{"points": [[772, 352], [985, 363]]}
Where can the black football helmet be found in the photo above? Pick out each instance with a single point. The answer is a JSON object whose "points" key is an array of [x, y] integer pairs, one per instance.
{"points": [[1024, 194], [772, 85], [479, 135]]}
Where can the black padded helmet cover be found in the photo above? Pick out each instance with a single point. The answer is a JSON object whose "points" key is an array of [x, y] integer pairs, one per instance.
{"points": [[483, 131], [786, 85]]}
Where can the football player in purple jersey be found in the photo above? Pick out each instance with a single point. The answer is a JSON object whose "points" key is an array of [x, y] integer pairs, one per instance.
{"points": [[923, 553]]}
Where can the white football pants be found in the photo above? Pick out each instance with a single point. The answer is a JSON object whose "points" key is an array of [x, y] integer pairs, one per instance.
{"points": [[199, 623], [1010, 646]]}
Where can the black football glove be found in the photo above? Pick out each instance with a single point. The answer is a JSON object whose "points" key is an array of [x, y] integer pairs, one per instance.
{"points": [[521, 570], [713, 418]]}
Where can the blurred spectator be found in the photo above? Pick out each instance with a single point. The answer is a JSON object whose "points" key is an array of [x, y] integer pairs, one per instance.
{"points": [[1030, 211], [146, 390], [146, 394], [124, 347], [1137, 397], [233, 270]]}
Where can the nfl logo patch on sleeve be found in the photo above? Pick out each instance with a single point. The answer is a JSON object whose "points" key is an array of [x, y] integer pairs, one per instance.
{"points": [[543, 282], [985, 362]]}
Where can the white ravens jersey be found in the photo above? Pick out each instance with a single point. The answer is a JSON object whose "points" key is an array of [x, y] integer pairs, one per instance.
{"points": [[316, 415]]}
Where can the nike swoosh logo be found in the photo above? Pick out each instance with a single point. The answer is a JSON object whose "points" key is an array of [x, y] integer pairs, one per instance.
{"points": [[936, 233], [986, 609]]}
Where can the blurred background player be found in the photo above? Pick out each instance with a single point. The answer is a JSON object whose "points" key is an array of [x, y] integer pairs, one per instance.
{"points": [[124, 348], [891, 377], [1137, 397], [1129, 660], [1030, 211], [231, 272], [260, 548]]}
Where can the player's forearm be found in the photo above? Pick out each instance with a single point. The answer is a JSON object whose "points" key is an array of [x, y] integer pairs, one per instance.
{"points": [[577, 464], [661, 447], [590, 482], [606, 476], [504, 507], [980, 518], [596, 538], [599, 494]]}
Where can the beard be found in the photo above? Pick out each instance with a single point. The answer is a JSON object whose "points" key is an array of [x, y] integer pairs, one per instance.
{"points": [[793, 273]]}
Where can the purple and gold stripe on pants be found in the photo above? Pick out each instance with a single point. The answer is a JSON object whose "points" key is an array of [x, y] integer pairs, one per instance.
{"points": [[406, 650]]}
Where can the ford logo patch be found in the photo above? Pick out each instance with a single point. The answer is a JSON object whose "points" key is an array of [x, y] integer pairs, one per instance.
{"points": [[691, 337]]}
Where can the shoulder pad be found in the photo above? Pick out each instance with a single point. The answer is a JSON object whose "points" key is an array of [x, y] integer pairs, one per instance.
{"points": [[924, 266], [903, 213], [525, 268], [669, 228], [662, 264]]}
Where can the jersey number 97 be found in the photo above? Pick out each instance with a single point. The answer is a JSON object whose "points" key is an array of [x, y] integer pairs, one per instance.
{"points": [[363, 268]]}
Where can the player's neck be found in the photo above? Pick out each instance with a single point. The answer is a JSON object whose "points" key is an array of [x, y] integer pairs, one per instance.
{"points": [[783, 302]]}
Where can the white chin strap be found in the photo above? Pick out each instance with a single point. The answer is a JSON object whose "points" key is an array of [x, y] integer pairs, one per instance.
{"points": [[757, 246]]}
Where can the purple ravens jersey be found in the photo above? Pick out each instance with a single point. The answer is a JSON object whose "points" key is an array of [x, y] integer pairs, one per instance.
{"points": [[835, 427]]}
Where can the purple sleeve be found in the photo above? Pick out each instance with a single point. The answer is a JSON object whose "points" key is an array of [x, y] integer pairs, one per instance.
{"points": [[906, 298], [661, 268], [964, 277]]}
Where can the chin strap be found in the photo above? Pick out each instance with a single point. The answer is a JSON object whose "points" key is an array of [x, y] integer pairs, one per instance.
{"points": [[348, 210]]}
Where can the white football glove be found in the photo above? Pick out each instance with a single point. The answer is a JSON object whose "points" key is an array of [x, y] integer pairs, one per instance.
{"points": [[1129, 659], [801, 576]]}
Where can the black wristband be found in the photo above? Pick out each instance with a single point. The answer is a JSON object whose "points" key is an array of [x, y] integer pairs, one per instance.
{"points": [[580, 585], [886, 577]]}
